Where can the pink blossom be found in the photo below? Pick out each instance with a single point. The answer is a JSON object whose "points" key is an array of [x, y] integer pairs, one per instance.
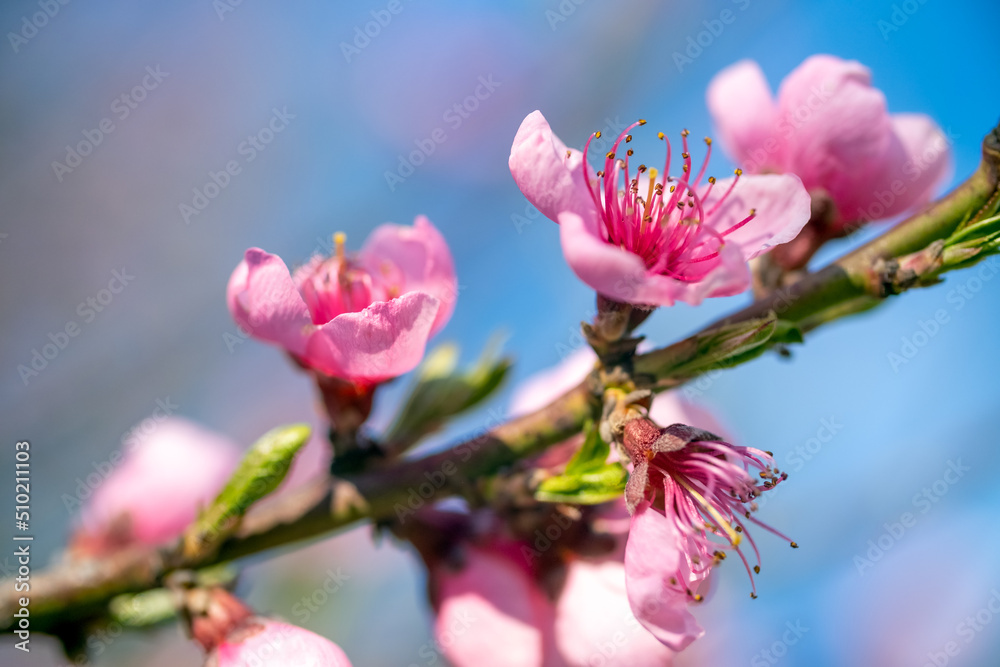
{"points": [[158, 488], [493, 610], [688, 489], [490, 612], [266, 643], [363, 318], [831, 128], [646, 237]]}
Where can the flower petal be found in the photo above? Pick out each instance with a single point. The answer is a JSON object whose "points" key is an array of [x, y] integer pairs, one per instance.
{"points": [[550, 180], [917, 160], [836, 124], [423, 257], [490, 613], [382, 341], [745, 115], [264, 301], [782, 208], [652, 556], [612, 271], [161, 484], [593, 616]]}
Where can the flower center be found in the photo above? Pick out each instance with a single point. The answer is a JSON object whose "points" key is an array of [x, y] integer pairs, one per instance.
{"points": [[709, 490], [658, 217], [338, 284]]}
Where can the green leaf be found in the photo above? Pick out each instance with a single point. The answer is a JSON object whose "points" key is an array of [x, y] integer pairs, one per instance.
{"points": [[592, 453], [442, 392], [260, 472], [599, 485]]}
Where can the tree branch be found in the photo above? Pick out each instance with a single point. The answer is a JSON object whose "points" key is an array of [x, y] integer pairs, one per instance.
{"points": [[81, 590]]}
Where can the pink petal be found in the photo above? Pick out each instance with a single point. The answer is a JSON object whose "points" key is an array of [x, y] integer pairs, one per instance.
{"points": [[264, 301], [594, 624], [546, 386], [782, 208], [730, 277], [652, 556], [172, 468], [669, 408], [490, 614], [423, 257], [745, 115], [612, 271], [276, 644], [550, 180], [917, 160], [384, 340], [836, 125]]}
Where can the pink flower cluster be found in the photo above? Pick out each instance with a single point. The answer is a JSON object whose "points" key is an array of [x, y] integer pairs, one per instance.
{"points": [[630, 603]]}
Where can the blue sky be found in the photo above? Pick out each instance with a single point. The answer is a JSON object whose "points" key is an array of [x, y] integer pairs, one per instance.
{"points": [[352, 112]]}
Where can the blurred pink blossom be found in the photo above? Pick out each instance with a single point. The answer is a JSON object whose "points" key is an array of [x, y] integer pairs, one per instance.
{"points": [[262, 642], [158, 488], [363, 318], [832, 129]]}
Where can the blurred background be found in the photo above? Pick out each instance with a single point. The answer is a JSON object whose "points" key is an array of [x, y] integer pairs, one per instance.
{"points": [[862, 438]]}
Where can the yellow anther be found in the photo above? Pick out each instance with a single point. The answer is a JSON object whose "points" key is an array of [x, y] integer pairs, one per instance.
{"points": [[642, 121], [708, 140], [628, 138], [339, 241], [611, 155], [659, 135], [738, 172], [597, 135], [711, 179]]}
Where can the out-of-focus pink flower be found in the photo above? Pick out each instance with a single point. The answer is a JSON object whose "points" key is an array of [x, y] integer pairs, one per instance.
{"points": [[490, 612], [494, 611], [687, 489], [363, 318], [265, 643], [158, 488], [645, 237], [832, 129]]}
